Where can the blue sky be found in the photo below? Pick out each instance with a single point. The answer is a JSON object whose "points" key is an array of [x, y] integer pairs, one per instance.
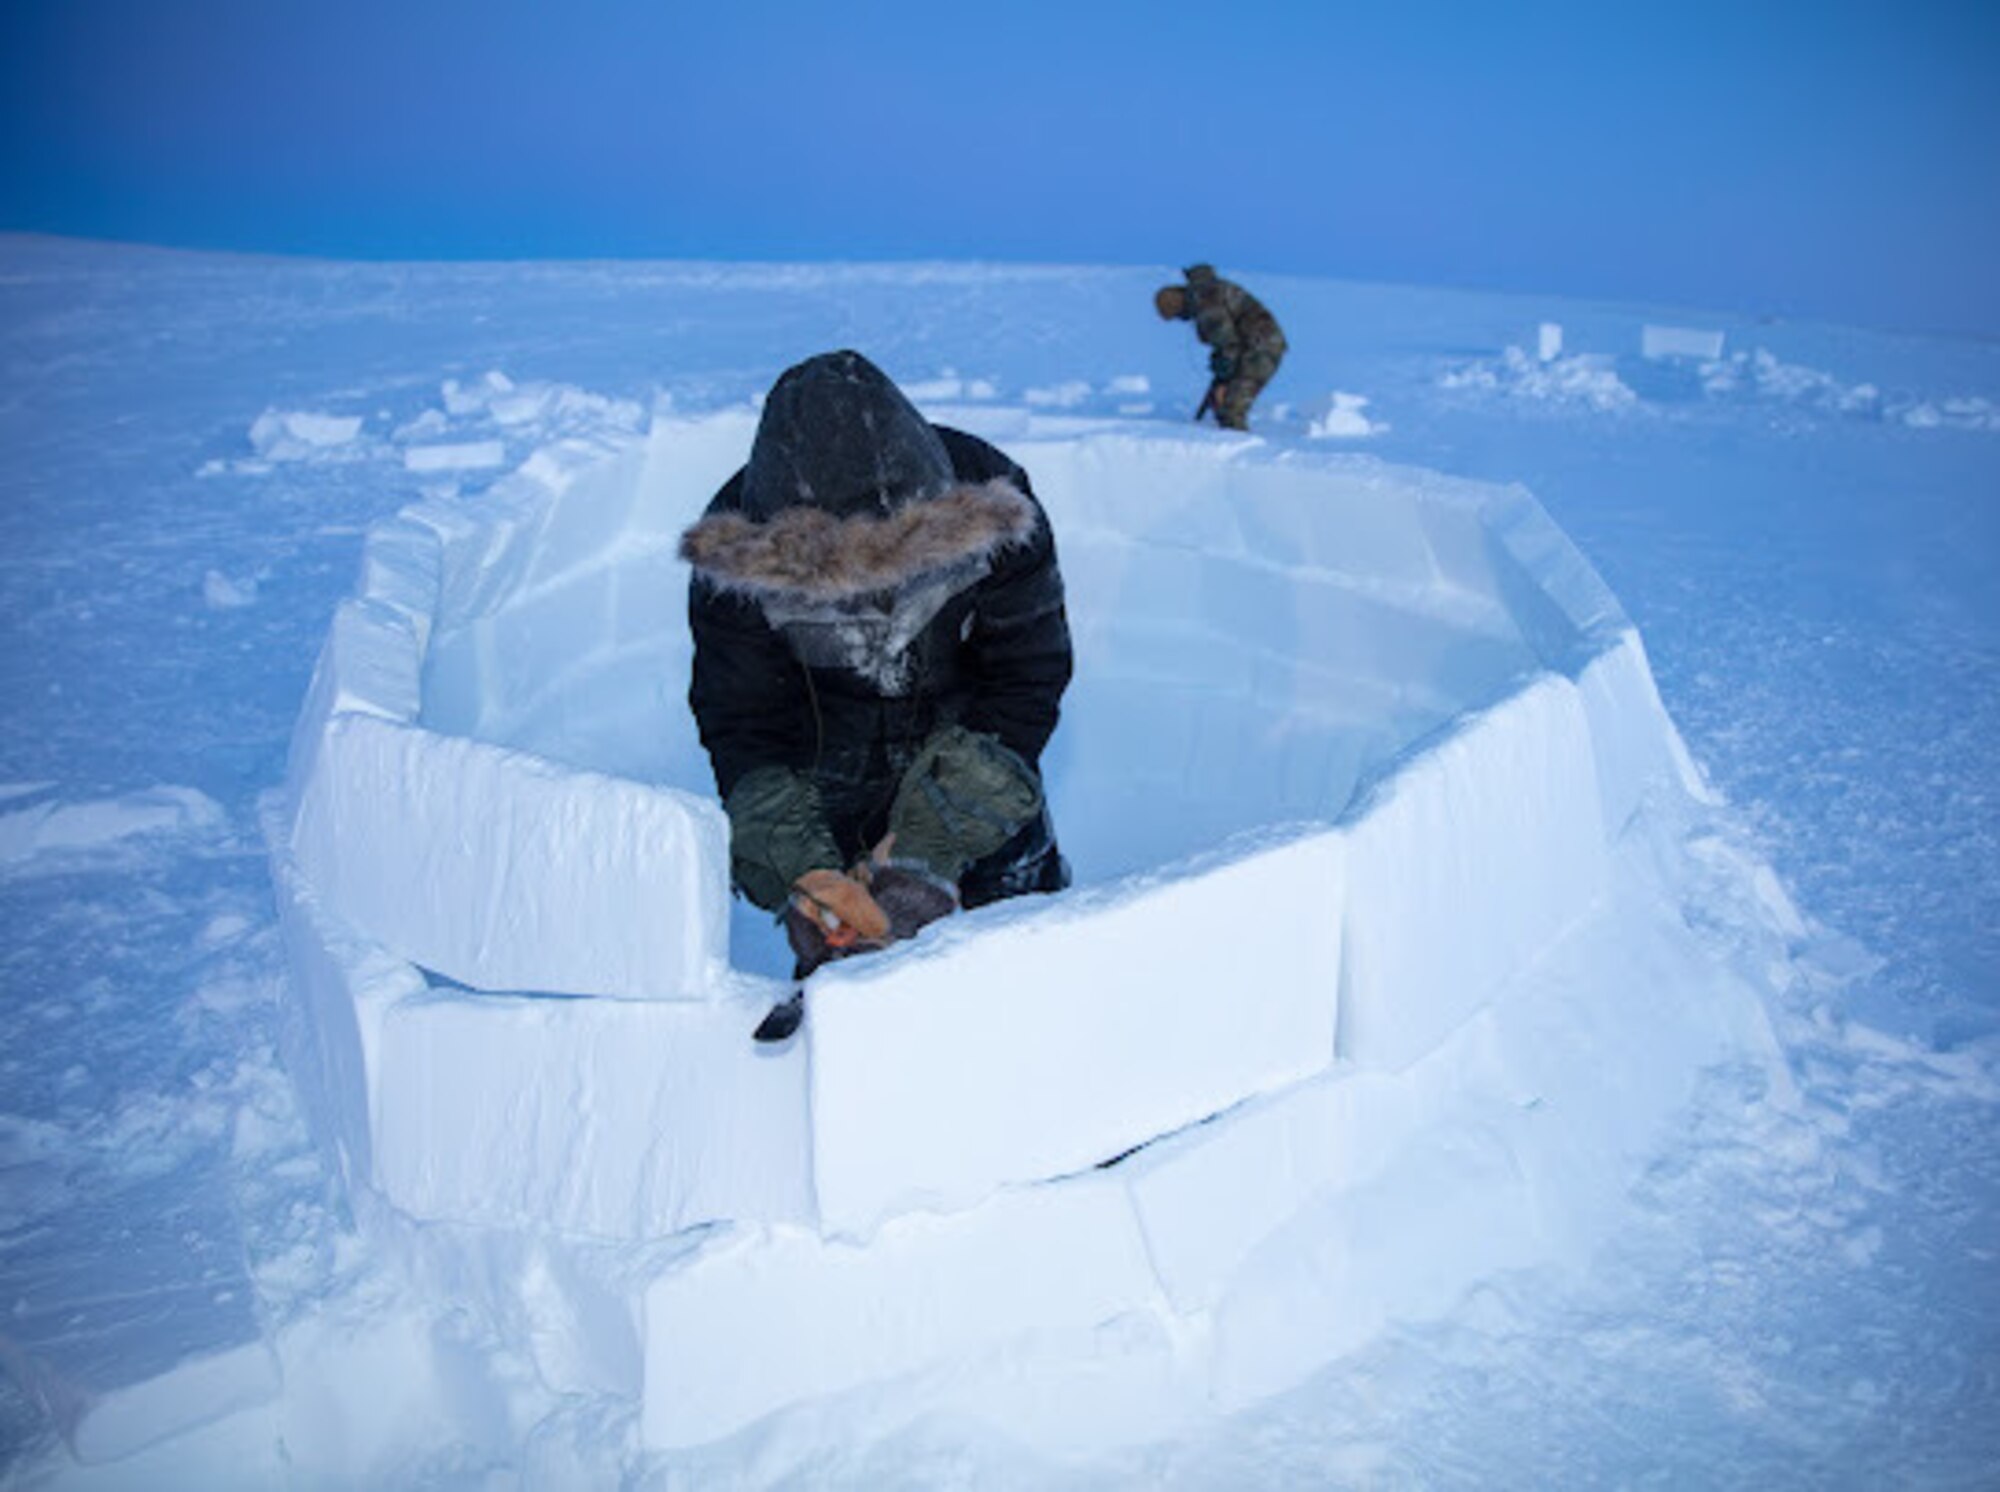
{"points": [[1831, 159]]}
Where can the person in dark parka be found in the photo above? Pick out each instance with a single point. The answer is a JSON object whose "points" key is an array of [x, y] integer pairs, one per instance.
{"points": [[880, 652]]}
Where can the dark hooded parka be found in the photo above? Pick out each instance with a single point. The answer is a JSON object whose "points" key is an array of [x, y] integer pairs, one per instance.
{"points": [[879, 638]]}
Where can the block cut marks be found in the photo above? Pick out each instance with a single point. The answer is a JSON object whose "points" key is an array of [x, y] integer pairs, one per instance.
{"points": [[1354, 777]]}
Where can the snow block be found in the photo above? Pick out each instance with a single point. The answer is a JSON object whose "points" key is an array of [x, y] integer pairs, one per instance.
{"points": [[370, 663], [1206, 1197], [599, 486], [1513, 1144], [342, 987], [464, 456], [767, 1318], [574, 1304], [615, 1119], [498, 870], [592, 1118], [1634, 742], [1561, 604], [1463, 865], [1680, 341], [687, 460], [484, 551], [1035, 1039], [399, 570]]}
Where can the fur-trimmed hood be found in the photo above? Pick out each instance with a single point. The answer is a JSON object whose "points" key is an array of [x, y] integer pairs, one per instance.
{"points": [[806, 555]]}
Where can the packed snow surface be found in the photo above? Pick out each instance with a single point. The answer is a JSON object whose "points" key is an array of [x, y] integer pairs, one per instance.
{"points": [[1494, 1100]]}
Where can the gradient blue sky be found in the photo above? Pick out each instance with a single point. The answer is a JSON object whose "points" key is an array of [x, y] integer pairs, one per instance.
{"points": [[1832, 159]]}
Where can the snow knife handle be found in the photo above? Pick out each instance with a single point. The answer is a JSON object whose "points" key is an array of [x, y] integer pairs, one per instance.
{"points": [[783, 1018]]}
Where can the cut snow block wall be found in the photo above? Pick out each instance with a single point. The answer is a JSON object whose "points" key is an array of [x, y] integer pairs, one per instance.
{"points": [[582, 655], [1476, 854], [341, 987], [1511, 1145], [496, 778], [1257, 633], [1255, 1247], [767, 1318], [1562, 606], [585, 1118], [594, 1118], [1634, 742], [486, 865], [492, 867], [1039, 1038]]}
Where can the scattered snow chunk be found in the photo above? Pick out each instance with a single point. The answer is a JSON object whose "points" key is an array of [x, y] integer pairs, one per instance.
{"points": [[298, 435], [1957, 414], [532, 407], [222, 593], [426, 426], [1680, 341], [942, 389], [28, 832], [1763, 375], [1061, 396], [224, 928], [1345, 419], [520, 409], [468, 399], [1581, 379], [467, 456], [561, 406]]}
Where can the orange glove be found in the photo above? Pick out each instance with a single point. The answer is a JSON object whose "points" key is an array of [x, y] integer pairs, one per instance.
{"points": [[842, 907]]}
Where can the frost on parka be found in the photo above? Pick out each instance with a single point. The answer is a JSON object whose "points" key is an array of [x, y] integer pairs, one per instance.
{"points": [[866, 580]]}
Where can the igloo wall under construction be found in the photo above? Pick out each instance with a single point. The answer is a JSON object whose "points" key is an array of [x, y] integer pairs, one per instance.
{"points": [[1348, 756]]}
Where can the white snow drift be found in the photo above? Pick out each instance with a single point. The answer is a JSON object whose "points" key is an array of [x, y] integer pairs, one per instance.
{"points": [[1353, 777]]}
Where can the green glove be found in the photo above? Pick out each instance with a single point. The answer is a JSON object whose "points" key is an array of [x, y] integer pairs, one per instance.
{"points": [[777, 832], [962, 798]]}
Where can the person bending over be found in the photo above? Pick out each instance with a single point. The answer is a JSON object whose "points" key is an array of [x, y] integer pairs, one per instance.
{"points": [[880, 653], [1244, 342]]}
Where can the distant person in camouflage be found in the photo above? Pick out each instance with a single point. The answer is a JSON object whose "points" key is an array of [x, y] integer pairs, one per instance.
{"points": [[1244, 341]]}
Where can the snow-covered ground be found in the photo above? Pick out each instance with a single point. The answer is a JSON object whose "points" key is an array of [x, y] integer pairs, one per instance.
{"points": [[1798, 1287]]}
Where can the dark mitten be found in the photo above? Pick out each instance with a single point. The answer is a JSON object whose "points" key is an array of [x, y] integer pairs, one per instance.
{"points": [[909, 896]]}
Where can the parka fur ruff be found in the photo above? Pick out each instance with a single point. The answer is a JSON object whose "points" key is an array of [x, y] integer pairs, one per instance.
{"points": [[804, 554]]}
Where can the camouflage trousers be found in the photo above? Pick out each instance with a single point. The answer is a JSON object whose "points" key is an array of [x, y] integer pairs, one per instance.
{"points": [[1234, 398]]}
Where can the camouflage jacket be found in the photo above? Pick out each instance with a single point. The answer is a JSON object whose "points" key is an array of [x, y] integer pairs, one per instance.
{"points": [[1230, 319]]}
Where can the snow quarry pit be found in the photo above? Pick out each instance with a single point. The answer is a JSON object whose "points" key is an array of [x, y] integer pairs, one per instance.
{"points": [[1357, 771]]}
